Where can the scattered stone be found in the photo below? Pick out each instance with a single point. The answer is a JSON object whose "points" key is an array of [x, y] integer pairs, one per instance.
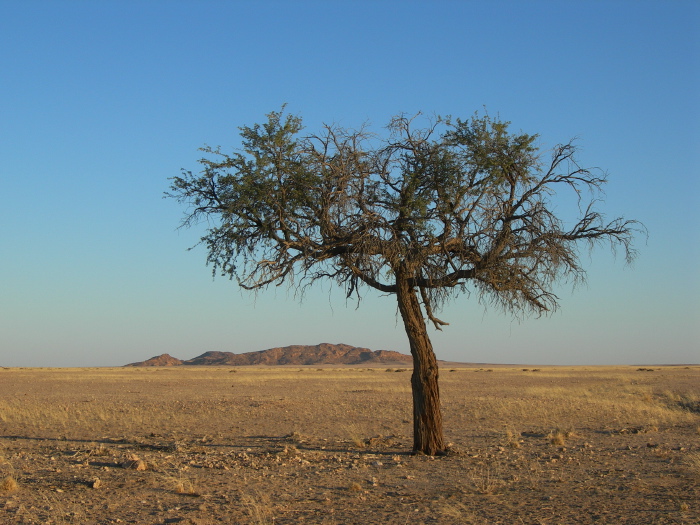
{"points": [[133, 462]]}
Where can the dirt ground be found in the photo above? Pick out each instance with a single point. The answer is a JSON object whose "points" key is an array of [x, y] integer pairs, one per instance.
{"points": [[197, 445]]}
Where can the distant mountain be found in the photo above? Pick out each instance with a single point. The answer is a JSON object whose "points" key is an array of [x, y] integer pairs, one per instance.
{"points": [[322, 354], [159, 360]]}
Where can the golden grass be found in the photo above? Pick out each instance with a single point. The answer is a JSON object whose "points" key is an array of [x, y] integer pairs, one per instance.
{"points": [[560, 437], [505, 426], [693, 461], [185, 486], [137, 401], [612, 397], [259, 508], [512, 438], [8, 484], [486, 478]]}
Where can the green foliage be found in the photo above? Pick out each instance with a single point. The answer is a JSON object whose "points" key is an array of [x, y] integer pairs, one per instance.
{"points": [[487, 147], [444, 205]]}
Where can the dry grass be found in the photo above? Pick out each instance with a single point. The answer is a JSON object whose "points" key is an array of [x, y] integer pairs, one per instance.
{"points": [[9, 484], [458, 511], [185, 486], [355, 487], [486, 478], [512, 438], [180, 483], [693, 461], [560, 437], [283, 444], [614, 398], [259, 508], [553, 398]]}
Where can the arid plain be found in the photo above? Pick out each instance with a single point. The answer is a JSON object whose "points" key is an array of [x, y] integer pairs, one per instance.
{"points": [[330, 445]]}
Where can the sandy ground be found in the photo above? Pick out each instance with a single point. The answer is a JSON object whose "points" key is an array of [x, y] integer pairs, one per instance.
{"points": [[195, 445]]}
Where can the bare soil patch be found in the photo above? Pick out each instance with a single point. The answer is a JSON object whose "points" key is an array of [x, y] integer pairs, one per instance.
{"points": [[330, 445]]}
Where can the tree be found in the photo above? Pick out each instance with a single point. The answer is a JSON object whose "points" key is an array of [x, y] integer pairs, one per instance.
{"points": [[425, 213]]}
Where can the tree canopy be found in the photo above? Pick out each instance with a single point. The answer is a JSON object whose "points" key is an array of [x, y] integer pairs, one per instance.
{"points": [[432, 208]]}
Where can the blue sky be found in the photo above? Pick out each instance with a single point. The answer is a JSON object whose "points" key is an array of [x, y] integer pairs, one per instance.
{"points": [[102, 102]]}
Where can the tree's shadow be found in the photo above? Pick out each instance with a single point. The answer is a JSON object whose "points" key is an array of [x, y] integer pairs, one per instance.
{"points": [[377, 446]]}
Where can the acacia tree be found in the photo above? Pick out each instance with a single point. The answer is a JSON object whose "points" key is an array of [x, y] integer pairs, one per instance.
{"points": [[424, 213]]}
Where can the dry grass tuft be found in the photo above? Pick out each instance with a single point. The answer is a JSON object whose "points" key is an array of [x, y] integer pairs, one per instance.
{"points": [[459, 511], [184, 486], [258, 508], [693, 461], [512, 439], [559, 437], [355, 436], [485, 479], [9, 484]]}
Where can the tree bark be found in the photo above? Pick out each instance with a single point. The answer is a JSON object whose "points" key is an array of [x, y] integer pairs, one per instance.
{"points": [[427, 417]]}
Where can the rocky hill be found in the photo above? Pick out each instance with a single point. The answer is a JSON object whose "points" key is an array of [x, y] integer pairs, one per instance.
{"points": [[159, 360], [322, 354]]}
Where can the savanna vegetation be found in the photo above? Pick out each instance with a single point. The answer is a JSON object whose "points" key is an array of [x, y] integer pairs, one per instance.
{"points": [[430, 211], [329, 445]]}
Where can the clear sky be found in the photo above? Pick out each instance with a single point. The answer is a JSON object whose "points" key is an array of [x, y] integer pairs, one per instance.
{"points": [[101, 102]]}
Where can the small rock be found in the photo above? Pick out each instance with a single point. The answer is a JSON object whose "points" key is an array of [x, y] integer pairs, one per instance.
{"points": [[134, 462]]}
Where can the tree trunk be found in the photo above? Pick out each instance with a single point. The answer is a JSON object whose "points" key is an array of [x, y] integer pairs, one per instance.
{"points": [[427, 417]]}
